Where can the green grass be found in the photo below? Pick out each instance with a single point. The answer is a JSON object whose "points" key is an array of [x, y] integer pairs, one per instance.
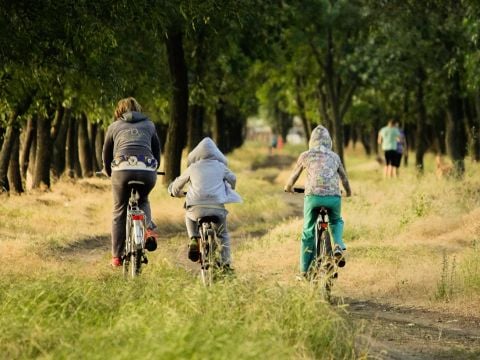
{"points": [[166, 314]]}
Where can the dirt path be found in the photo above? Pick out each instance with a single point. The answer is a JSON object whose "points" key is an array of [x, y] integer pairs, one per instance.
{"points": [[392, 332]]}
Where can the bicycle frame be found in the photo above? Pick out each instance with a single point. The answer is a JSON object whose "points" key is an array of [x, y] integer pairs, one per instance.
{"points": [[134, 254]]}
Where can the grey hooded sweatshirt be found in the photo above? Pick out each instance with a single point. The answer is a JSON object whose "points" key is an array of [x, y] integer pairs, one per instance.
{"points": [[211, 182], [324, 167], [131, 134]]}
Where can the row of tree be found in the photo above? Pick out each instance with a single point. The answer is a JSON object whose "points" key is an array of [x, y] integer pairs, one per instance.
{"points": [[200, 67]]}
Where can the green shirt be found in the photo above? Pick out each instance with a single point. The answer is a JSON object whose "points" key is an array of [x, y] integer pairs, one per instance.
{"points": [[389, 138]]}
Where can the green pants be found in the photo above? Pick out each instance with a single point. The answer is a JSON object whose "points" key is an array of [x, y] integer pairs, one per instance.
{"points": [[311, 207]]}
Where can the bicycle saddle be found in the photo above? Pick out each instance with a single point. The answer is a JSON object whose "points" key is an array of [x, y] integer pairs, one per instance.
{"points": [[205, 219], [323, 210]]}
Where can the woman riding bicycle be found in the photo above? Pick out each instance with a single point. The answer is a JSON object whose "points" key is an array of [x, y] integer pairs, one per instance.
{"points": [[131, 152], [211, 186], [324, 168]]}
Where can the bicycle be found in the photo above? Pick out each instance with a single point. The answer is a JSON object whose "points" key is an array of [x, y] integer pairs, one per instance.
{"points": [[134, 254], [324, 267], [210, 249]]}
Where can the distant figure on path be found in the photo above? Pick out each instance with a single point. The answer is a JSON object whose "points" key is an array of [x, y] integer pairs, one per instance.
{"points": [[401, 148], [131, 152], [388, 137], [273, 143]]}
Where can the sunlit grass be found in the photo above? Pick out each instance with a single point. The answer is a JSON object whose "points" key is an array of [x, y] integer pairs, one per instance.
{"points": [[166, 314]]}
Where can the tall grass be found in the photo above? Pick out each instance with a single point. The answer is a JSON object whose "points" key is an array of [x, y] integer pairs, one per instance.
{"points": [[166, 314]]}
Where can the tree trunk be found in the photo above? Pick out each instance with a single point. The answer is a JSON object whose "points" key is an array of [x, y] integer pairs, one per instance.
{"points": [[9, 138], [5, 152], [41, 175], [178, 106], [58, 161], [70, 148], [475, 128], [365, 138], [219, 128], [307, 127], [197, 111], [93, 128], [30, 134], [14, 175], [456, 138], [84, 148], [99, 140], [335, 98], [195, 125], [32, 157], [420, 142]]}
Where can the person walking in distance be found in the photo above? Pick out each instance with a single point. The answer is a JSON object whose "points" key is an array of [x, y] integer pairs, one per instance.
{"points": [[401, 149], [131, 152], [388, 137], [324, 170]]}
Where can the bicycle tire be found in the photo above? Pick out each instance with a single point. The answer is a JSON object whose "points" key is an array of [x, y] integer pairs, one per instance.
{"points": [[324, 267], [208, 254], [128, 246], [204, 263], [135, 262]]}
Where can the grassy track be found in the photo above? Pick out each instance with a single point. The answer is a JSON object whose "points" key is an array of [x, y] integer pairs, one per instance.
{"points": [[168, 315]]}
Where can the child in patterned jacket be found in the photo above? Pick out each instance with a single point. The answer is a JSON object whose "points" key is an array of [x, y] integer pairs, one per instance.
{"points": [[324, 169]]}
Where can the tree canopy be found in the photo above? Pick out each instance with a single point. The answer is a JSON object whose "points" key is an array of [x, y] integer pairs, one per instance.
{"points": [[202, 67]]}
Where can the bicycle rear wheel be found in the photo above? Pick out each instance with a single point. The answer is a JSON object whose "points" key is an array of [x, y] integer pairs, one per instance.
{"points": [[208, 259], [135, 262], [132, 260], [325, 269]]}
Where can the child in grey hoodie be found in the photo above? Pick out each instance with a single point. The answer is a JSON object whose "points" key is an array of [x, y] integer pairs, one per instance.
{"points": [[211, 185]]}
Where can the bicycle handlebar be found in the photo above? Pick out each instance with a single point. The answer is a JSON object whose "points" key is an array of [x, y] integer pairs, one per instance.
{"points": [[102, 173]]}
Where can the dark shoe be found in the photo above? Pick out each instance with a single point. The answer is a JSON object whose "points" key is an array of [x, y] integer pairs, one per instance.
{"points": [[116, 262], [339, 255], [227, 269], [193, 251], [150, 240]]}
